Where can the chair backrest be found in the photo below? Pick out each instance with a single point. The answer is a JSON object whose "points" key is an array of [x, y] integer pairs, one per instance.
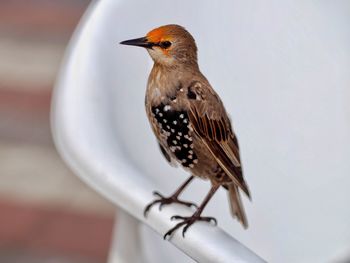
{"points": [[282, 72]]}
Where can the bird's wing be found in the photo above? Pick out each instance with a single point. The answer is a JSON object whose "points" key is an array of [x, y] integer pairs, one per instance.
{"points": [[210, 122]]}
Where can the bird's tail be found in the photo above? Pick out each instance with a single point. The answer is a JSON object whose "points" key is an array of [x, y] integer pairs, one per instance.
{"points": [[236, 205]]}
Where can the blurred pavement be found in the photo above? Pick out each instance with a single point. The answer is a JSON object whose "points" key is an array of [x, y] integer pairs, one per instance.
{"points": [[46, 213]]}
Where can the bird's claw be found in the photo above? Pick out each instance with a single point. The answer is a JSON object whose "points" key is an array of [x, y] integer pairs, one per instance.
{"points": [[176, 218], [187, 222], [156, 193], [166, 201]]}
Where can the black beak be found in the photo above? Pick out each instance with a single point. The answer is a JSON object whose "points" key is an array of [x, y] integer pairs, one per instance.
{"points": [[139, 42]]}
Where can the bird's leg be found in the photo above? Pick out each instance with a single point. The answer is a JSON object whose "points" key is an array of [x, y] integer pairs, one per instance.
{"points": [[171, 199], [188, 221]]}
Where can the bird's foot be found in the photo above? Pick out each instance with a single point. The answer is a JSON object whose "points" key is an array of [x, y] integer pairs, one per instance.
{"points": [[166, 201], [187, 222]]}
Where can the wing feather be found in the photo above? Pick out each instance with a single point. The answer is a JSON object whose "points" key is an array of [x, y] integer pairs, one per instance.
{"points": [[211, 123]]}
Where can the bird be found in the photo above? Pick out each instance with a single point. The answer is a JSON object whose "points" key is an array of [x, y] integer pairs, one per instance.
{"points": [[190, 123]]}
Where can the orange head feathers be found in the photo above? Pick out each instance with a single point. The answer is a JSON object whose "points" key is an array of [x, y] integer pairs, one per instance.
{"points": [[160, 34], [169, 45]]}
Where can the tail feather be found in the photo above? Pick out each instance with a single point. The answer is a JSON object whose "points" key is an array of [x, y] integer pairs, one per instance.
{"points": [[236, 205]]}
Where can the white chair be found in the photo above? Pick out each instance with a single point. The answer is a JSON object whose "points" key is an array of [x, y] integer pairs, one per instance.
{"points": [[281, 69]]}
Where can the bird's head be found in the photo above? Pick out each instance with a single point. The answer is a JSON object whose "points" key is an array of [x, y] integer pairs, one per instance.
{"points": [[168, 45]]}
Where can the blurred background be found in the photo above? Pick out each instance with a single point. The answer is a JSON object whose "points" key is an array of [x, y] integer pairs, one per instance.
{"points": [[46, 213]]}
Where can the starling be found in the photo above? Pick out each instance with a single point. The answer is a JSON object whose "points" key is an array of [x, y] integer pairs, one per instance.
{"points": [[190, 122]]}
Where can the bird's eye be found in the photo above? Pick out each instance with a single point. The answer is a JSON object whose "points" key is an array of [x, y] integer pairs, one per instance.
{"points": [[165, 44]]}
